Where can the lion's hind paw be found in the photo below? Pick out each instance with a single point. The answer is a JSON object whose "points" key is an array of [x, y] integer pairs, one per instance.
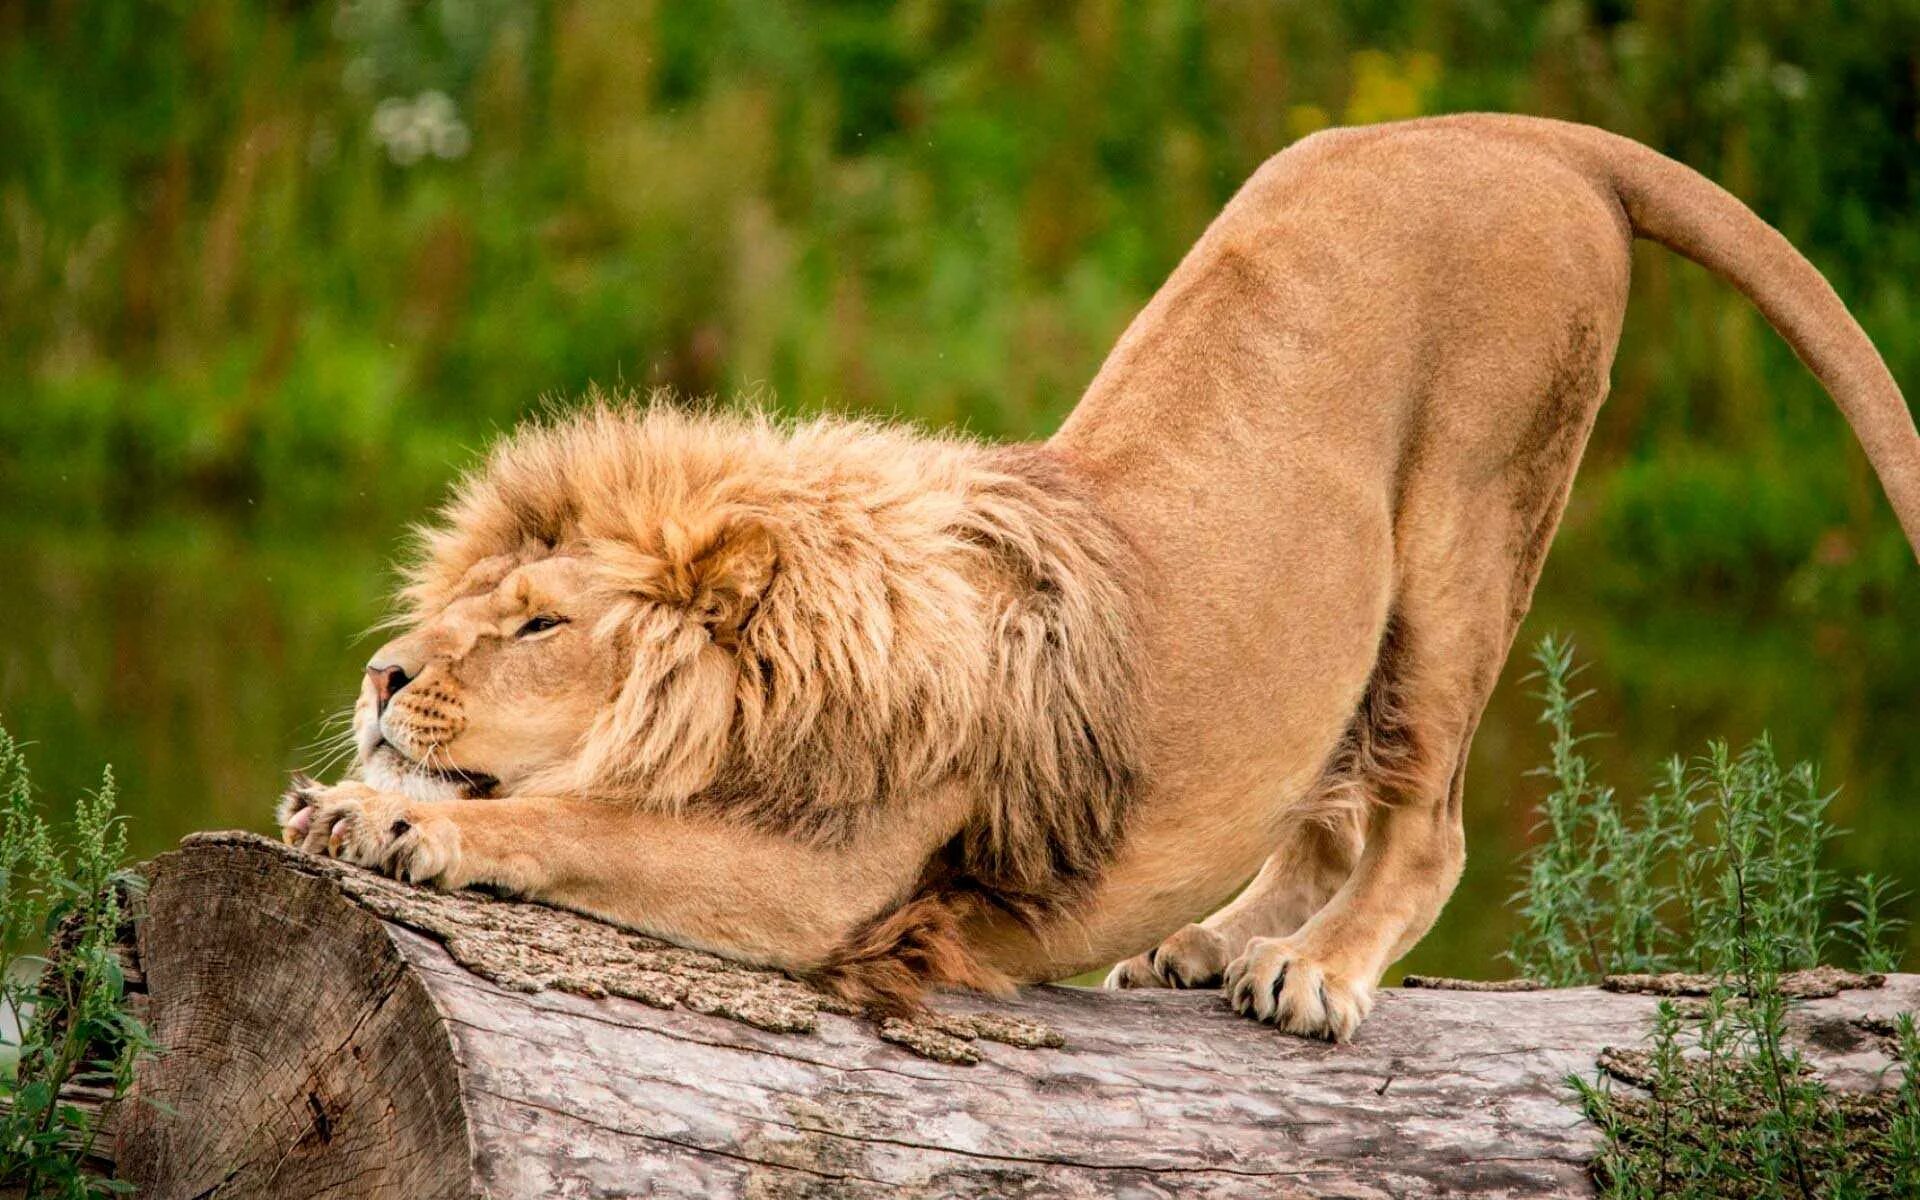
{"points": [[1275, 981], [1193, 957]]}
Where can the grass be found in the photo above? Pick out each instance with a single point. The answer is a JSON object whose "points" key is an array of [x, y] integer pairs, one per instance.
{"points": [[68, 1011], [1718, 871]]}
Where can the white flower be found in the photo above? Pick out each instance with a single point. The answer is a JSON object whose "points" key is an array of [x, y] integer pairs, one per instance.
{"points": [[427, 124], [434, 107], [391, 118]]}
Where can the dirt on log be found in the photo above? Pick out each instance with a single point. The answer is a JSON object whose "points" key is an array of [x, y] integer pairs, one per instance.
{"points": [[332, 1033]]}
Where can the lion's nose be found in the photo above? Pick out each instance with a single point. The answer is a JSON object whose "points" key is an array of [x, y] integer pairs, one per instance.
{"points": [[386, 681]]}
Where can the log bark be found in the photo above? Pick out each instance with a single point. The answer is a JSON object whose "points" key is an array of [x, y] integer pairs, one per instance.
{"points": [[331, 1033]]}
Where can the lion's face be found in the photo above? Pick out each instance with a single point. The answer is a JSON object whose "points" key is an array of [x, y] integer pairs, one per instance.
{"points": [[613, 666], [503, 682]]}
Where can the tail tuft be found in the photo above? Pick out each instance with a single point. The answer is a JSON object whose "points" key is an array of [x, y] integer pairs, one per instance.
{"points": [[887, 965]]}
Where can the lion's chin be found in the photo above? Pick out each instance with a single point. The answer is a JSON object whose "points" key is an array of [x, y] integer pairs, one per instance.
{"points": [[391, 771]]}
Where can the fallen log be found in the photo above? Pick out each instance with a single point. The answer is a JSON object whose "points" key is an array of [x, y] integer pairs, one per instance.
{"points": [[332, 1033]]}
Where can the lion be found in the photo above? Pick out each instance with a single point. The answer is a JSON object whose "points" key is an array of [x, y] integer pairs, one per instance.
{"points": [[894, 711]]}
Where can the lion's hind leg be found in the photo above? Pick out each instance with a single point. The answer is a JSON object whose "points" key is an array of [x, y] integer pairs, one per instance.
{"points": [[1462, 592], [1314, 857], [1409, 737], [1324, 835]]}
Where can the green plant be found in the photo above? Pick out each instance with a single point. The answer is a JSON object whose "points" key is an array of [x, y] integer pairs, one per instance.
{"points": [[1717, 872], [68, 1008], [1718, 869], [1723, 1118]]}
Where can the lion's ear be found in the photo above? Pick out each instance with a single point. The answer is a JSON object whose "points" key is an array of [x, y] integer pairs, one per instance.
{"points": [[715, 569], [727, 568]]}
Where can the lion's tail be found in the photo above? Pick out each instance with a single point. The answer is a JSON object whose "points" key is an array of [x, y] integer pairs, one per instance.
{"points": [[887, 965], [1691, 215]]}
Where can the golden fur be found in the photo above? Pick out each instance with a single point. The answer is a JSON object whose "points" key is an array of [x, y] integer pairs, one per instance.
{"points": [[816, 624], [896, 710], [826, 618]]}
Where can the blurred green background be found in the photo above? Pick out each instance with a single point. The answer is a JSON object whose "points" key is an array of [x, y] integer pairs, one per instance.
{"points": [[271, 272]]}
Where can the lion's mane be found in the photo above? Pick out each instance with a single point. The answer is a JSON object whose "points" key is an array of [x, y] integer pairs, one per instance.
{"points": [[823, 620]]}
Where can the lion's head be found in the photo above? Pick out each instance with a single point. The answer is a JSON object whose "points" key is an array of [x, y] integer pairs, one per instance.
{"points": [[789, 625]]}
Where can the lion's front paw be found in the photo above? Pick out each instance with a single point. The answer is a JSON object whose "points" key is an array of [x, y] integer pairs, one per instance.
{"points": [[1193, 957], [1274, 980], [295, 812], [370, 828]]}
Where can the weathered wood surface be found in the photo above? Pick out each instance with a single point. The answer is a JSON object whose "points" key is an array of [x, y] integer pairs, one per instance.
{"points": [[319, 1044]]}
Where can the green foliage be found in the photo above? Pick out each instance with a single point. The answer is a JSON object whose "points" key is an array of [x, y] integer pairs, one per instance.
{"points": [[69, 1008], [1722, 858], [1871, 933], [248, 246], [270, 273], [1728, 1115], [1717, 872]]}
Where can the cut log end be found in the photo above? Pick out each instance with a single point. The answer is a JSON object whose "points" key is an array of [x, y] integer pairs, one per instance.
{"points": [[331, 1033], [303, 1055]]}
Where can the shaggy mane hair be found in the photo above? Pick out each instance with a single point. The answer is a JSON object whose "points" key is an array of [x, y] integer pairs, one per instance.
{"points": [[823, 620]]}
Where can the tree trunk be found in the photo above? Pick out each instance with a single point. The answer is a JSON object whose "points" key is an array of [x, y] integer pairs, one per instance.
{"points": [[329, 1032]]}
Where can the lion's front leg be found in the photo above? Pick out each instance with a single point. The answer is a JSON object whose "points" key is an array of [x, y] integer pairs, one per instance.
{"points": [[394, 834], [751, 894]]}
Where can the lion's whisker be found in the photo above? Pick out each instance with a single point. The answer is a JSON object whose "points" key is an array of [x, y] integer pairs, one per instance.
{"points": [[327, 751], [327, 764]]}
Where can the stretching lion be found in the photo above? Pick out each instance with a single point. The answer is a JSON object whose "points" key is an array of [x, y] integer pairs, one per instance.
{"points": [[892, 711]]}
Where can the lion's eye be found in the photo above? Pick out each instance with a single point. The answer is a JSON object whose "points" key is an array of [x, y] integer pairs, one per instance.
{"points": [[539, 624]]}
